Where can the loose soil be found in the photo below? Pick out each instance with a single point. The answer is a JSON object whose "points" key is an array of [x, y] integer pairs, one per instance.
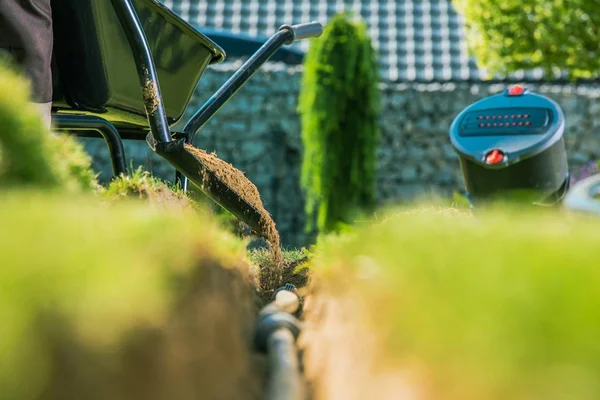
{"points": [[245, 189]]}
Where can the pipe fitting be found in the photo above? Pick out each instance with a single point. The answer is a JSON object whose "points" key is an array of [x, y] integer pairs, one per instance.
{"points": [[270, 323]]}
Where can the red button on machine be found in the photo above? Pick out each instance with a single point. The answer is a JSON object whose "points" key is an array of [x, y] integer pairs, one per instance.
{"points": [[494, 157], [516, 90]]}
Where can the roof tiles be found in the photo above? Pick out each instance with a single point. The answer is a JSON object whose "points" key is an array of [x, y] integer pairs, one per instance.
{"points": [[417, 40]]}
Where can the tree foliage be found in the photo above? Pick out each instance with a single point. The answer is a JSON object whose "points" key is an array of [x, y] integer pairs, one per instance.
{"points": [[556, 35], [339, 107]]}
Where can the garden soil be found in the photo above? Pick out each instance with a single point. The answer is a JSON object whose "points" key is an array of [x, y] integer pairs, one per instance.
{"points": [[342, 357], [202, 350], [241, 185], [157, 195]]}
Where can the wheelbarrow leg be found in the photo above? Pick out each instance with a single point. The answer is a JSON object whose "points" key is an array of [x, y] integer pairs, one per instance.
{"points": [[82, 125], [180, 179]]}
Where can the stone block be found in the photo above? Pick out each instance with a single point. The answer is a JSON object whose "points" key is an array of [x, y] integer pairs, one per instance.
{"points": [[409, 174]]}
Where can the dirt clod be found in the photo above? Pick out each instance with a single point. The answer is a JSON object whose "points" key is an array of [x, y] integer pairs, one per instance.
{"points": [[151, 98], [244, 188]]}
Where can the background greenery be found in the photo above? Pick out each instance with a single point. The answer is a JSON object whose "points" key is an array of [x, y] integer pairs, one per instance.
{"points": [[509, 35]]}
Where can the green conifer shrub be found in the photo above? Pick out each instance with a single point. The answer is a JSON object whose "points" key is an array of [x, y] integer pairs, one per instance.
{"points": [[339, 108]]}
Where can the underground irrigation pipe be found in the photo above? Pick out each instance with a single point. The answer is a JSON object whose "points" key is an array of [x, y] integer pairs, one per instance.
{"points": [[276, 334]]}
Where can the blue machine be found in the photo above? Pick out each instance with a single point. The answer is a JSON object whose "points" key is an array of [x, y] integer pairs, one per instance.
{"points": [[511, 146]]}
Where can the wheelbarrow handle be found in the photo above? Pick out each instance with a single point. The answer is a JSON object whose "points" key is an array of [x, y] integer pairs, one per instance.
{"points": [[303, 31], [287, 34]]}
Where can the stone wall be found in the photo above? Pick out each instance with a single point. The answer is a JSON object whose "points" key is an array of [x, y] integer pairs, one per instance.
{"points": [[258, 131]]}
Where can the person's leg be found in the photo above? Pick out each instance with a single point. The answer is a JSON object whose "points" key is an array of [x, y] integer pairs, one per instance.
{"points": [[45, 110], [26, 34]]}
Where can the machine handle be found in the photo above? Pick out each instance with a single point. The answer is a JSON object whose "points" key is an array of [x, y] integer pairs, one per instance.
{"points": [[303, 31]]}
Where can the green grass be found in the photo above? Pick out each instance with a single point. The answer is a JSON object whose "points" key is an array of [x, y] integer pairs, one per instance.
{"points": [[500, 306], [296, 267], [93, 273], [75, 164], [141, 185], [261, 257], [29, 154]]}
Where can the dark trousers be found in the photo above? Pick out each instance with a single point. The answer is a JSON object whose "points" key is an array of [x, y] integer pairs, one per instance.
{"points": [[26, 35]]}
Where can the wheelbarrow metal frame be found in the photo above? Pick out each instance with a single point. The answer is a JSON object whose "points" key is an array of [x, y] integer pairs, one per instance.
{"points": [[171, 146], [195, 170], [88, 116], [93, 91], [96, 71]]}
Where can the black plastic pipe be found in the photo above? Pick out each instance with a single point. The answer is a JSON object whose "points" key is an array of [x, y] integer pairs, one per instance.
{"points": [[151, 94], [81, 125], [284, 382], [276, 335]]}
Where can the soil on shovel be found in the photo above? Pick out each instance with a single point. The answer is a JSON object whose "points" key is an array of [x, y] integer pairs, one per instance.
{"points": [[237, 181]]}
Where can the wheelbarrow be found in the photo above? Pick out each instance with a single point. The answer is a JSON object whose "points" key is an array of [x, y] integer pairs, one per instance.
{"points": [[126, 69]]}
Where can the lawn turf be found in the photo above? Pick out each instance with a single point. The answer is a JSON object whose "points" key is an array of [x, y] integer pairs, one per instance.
{"points": [[440, 304], [121, 300]]}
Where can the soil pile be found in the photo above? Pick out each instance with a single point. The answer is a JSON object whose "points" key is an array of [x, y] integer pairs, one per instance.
{"points": [[245, 189], [165, 197]]}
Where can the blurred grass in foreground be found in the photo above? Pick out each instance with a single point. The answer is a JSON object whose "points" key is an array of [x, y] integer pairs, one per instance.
{"points": [[30, 155], [120, 300], [442, 305], [128, 292]]}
